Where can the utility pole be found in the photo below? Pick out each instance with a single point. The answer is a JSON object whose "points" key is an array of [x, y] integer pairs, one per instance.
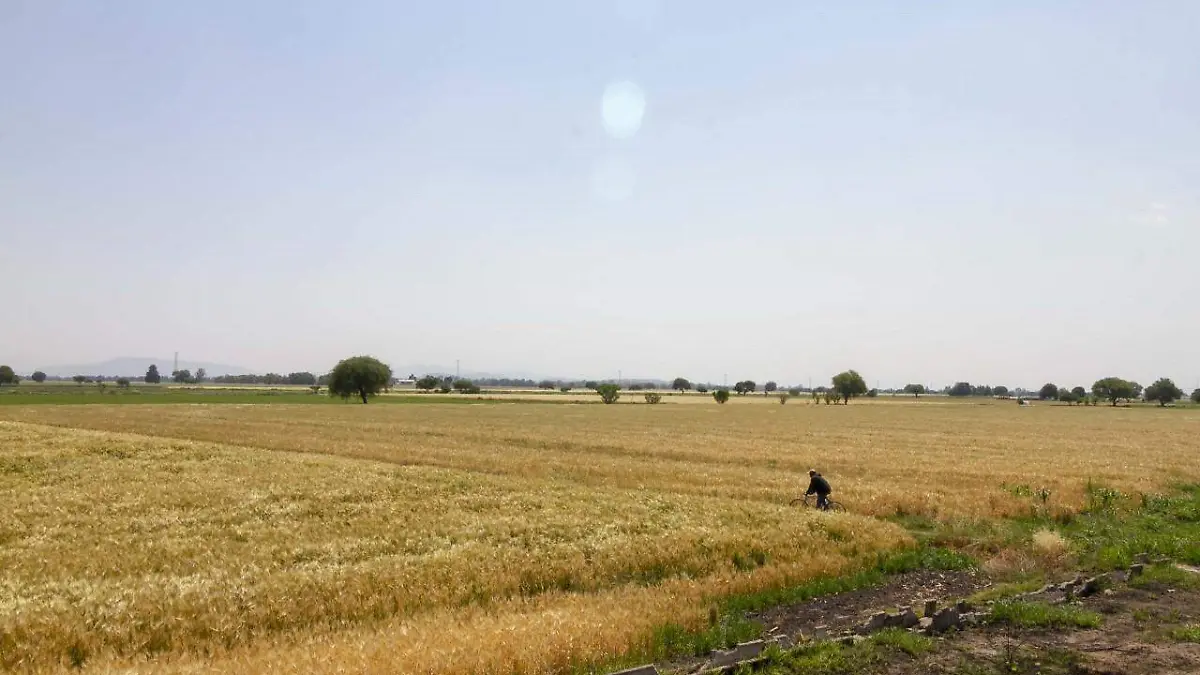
{"points": [[176, 370], [456, 375], [619, 378]]}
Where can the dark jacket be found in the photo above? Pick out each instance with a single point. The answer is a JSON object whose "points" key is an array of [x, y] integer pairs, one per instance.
{"points": [[818, 485]]}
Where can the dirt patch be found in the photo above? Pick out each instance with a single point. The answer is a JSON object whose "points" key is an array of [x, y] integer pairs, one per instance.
{"points": [[846, 611], [1133, 640]]}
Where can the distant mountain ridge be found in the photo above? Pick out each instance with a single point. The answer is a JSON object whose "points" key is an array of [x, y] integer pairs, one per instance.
{"points": [[130, 366]]}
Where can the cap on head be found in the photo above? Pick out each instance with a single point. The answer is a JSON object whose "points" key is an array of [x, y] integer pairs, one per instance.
{"points": [[812, 472]]}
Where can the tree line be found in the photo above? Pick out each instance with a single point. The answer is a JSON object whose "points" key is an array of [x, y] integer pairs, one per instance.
{"points": [[364, 373]]}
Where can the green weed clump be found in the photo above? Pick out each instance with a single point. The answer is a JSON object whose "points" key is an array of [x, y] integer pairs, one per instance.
{"points": [[1041, 615]]}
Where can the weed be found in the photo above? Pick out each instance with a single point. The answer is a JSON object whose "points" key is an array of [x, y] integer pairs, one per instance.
{"points": [[1041, 615], [1189, 633]]}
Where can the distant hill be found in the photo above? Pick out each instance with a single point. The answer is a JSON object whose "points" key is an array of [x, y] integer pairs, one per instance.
{"points": [[130, 366]]}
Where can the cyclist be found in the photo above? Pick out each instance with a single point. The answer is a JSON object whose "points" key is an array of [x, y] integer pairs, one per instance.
{"points": [[820, 487]]}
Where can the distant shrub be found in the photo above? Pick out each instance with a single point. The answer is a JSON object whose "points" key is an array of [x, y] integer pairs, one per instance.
{"points": [[609, 393], [444, 389], [704, 390], [123, 382], [794, 391], [653, 397], [721, 395], [564, 389], [784, 397], [316, 388]]}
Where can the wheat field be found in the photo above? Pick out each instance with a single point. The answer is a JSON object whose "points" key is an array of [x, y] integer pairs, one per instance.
{"points": [[493, 538]]}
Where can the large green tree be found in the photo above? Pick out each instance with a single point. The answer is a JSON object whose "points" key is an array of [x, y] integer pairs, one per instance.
{"points": [[915, 389], [1196, 396], [1048, 391], [849, 384], [152, 376], [1113, 389], [38, 376], [770, 387], [361, 376], [7, 376], [1164, 391], [681, 384]]}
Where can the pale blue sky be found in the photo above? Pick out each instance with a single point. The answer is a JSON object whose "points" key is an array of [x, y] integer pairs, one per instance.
{"points": [[903, 188]]}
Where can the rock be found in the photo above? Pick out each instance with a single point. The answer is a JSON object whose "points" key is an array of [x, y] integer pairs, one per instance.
{"points": [[640, 670], [820, 632], [908, 618], [1136, 570], [785, 642], [1108, 592], [1141, 558], [962, 606], [1090, 587], [1078, 580], [945, 619], [925, 625], [971, 619], [876, 623], [1048, 588], [851, 640], [930, 608]]}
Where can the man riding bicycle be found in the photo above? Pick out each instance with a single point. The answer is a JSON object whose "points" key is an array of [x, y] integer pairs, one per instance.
{"points": [[820, 487]]}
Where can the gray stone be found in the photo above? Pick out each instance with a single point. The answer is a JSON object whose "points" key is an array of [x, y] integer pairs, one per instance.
{"points": [[742, 652], [945, 619], [930, 608], [785, 642], [1141, 558], [820, 632], [877, 622], [908, 618], [925, 625], [1091, 587], [962, 606], [1136, 570], [640, 670]]}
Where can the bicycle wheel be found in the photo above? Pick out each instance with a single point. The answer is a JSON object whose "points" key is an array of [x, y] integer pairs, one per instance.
{"points": [[799, 501], [835, 506]]}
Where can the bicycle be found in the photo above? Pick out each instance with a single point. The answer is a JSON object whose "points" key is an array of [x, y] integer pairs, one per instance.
{"points": [[810, 501]]}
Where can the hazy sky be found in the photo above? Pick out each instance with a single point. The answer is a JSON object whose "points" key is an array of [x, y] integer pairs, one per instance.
{"points": [[1004, 192]]}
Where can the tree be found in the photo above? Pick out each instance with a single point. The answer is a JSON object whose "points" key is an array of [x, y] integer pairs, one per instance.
{"points": [[1066, 396], [152, 376], [721, 395], [915, 389], [1000, 391], [1164, 391], [1048, 391], [201, 375], [181, 376], [653, 397], [961, 389], [464, 385], [794, 391], [7, 376], [681, 384], [360, 376], [848, 384], [1196, 396], [591, 384], [1079, 392], [1113, 389], [79, 379], [609, 393], [701, 389], [38, 376], [428, 383], [547, 384], [302, 378], [872, 393], [769, 387], [123, 382]]}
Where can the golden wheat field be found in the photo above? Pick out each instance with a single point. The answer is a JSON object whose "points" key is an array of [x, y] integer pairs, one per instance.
{"points": [[489, 538]]}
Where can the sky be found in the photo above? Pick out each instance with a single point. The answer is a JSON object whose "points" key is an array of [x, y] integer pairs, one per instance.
{"points": [[998, 192]]}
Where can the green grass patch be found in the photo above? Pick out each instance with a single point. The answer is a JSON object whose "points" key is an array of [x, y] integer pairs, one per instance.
{"points": [[1161, 577], [1041, 615], [1156, 524], [93, 395], [1190, 633], [1008, 590], [835, 658]]}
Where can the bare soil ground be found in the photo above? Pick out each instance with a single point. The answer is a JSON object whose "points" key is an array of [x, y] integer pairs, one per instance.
{"points": [[1135, 638]]}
